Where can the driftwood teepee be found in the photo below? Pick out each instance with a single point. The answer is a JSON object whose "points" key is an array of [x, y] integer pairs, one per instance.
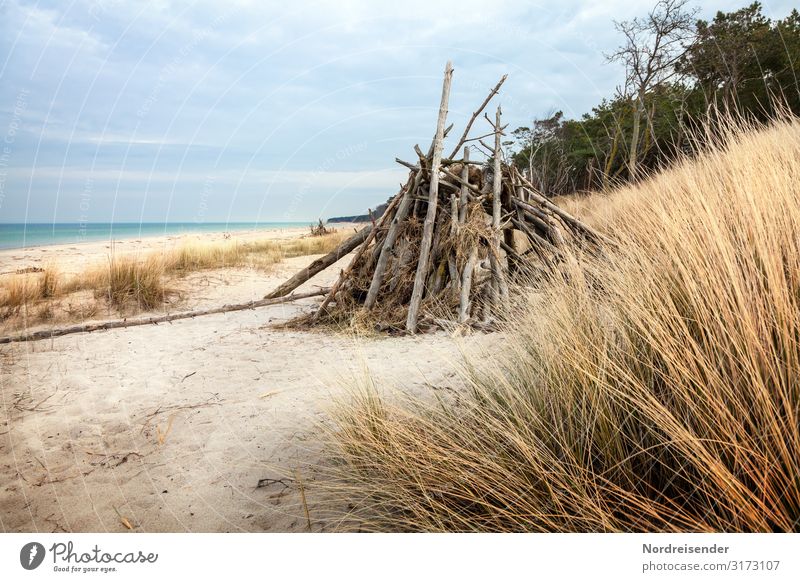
{"points": [[450, 242]]}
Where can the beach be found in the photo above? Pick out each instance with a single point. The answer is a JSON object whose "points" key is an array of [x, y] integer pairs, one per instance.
{"points": [[207, 424], [196, 289], [73, 257]]}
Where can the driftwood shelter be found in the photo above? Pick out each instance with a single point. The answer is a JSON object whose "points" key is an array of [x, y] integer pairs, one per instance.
{"points": [[445, 252], [451, 241]]}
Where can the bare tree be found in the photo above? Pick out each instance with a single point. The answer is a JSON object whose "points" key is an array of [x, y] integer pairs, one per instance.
{"points": [[652, 47]]}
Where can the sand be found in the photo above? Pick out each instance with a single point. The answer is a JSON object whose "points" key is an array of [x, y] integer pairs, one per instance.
{"points": [[72, 258], [173, 427]]}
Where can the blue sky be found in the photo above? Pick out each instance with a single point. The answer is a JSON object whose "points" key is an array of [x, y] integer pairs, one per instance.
{"points": [[269, 111]]}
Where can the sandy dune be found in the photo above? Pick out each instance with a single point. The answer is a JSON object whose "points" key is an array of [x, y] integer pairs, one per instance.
{"points": [[171, 427]]}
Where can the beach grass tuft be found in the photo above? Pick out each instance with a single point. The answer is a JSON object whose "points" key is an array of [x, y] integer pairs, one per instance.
{"points": [[133, 283], [655, 388]]}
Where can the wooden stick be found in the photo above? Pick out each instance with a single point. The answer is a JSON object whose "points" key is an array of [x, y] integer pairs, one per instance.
{"points": [[455, 279], [408, 165], [508, 233], [461, 181], [466, 284], [541, 213], [51, 333], [320, 264], [462, 203], [376, 227], [475, 115], [535, 216], [394, 228], [448, 162], [454, 198], [403, 257], [389, 242], [535, 238], [497, 210], [430, 217], [562, 214]]}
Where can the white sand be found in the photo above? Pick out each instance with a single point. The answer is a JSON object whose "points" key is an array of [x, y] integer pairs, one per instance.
{"points": [[72, 258], [232, 400]]}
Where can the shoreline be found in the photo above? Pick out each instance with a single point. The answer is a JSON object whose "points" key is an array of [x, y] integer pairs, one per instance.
{"points": [[70, 233], [72, 258]]}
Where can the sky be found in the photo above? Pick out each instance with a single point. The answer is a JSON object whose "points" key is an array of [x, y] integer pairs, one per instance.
{"points": [[267, 111]]}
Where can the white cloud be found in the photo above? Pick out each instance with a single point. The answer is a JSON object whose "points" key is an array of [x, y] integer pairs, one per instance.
{"points": [[260, 85]]}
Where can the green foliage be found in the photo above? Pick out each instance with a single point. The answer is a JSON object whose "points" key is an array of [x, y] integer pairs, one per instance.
{"points": [[744, 60], [740, 61]]}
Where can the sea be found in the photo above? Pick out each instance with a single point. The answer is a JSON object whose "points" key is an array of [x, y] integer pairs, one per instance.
{"points": [[22, 235]]}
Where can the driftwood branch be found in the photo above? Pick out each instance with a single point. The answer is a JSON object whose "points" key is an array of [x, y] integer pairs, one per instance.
{"points": [[475, 115], [500, 286], [433, 197], [466, 286], [464, 195], [362, 249], [116, 324], [321, 264]]}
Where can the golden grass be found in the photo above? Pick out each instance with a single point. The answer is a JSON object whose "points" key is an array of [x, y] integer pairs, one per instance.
{"points": [[20, 290], [128, 279], [655, 389], [142, 282]]}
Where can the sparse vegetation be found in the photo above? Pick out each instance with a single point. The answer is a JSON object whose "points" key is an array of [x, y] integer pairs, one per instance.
{"points": [[653, 389], [133, 283]]}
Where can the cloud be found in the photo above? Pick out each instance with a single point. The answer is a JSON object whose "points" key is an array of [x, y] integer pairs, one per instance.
{"points": [[262, 94]]}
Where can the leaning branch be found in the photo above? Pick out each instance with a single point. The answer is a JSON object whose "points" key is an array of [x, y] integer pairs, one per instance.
{"points": [[475, 115], [321, 264]]}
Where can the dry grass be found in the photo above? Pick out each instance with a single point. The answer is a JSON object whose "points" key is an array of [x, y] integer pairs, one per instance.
{"points": [[129, 280], [134, 283], [655, 389]]}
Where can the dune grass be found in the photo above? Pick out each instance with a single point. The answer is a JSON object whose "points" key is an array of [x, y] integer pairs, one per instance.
{"points": [[133, 282], [654, 389]]}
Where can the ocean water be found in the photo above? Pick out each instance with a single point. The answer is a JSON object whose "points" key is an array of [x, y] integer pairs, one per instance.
{"points": [[18, 235]]}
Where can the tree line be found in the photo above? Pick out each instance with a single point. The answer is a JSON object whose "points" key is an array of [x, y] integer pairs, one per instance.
{"points": [[679, 73]]}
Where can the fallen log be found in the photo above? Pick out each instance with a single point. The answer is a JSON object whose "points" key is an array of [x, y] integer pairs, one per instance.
{"points": [[116, 324]]}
